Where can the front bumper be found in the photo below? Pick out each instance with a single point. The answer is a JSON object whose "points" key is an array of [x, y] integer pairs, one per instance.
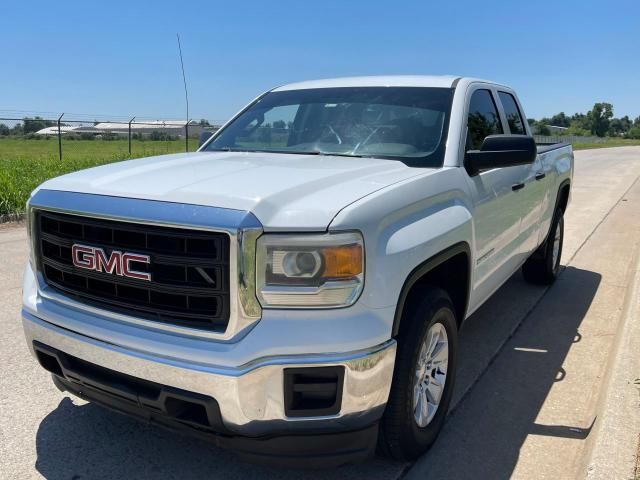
{"points": [[251, 396]]}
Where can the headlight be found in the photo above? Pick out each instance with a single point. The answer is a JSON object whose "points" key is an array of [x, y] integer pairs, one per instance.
{"points": [[310, 270]]}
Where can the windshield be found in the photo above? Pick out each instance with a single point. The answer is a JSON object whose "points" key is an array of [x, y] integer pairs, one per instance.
{"points": [[401, 123]]}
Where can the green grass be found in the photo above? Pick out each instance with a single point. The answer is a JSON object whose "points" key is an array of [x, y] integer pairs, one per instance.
{"points": [[609, 142], [24, 164]]}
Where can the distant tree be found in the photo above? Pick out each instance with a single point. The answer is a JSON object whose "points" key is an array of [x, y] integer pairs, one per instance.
{"points": [[620, 126], [634, 132], [109, 136], [279, 124], [577, 117], [580, 121], [34, 124], [17, 129], [636, 122], [538, 127], [560, 120], [204, 122], [577, 131], [543, 129], [4, 130], [157, 135], [627, 123], [600, 118]]}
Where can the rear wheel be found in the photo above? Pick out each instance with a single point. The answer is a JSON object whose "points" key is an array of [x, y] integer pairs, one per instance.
{"points": [[544, 265], [423, 377]]}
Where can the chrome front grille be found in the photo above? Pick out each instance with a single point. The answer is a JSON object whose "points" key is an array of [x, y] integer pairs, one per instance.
{"points": [[190, 269]]}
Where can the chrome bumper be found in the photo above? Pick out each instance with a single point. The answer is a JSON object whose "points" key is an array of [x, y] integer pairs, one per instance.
{"points": [[251, 396]]}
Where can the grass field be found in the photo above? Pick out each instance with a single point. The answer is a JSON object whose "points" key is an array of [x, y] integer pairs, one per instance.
{"points": [[24, 164], [609, 142]]}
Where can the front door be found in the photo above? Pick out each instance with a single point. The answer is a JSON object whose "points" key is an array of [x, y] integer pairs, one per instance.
{"points": [[498, 204]]}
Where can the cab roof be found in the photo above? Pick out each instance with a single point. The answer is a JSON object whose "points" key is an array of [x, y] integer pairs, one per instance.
{"points": [[441, 81]]}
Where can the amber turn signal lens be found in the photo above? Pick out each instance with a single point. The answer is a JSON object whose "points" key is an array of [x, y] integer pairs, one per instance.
{"points": [[342, 262]]}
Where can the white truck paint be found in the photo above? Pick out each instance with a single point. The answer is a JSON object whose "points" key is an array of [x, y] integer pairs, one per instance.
{"points": [[411, 218]]}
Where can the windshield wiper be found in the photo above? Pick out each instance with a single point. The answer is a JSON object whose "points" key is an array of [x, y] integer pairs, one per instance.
{"points": [[314, 152], [290, 152], [226, 149], [336, 154]]}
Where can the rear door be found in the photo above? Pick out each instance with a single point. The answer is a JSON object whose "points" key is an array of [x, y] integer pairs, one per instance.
{"points": [[497, 197]]}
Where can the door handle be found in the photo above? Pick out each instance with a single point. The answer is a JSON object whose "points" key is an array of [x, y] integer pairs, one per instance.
{"points": [[540, 175], [517, 186]]}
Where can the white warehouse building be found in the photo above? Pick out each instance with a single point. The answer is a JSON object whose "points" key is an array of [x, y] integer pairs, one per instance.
{"points": [[173, 128]]}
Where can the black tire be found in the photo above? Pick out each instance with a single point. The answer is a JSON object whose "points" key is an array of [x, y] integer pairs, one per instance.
{"points": [[400, 436], [541, 268]]}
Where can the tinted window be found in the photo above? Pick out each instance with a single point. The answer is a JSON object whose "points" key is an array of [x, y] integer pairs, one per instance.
{"points": [[516, 124], [403, 123], [483, 119]]}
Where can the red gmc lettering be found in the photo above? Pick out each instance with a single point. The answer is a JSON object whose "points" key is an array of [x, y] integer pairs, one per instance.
{"points": [[83, 257], [111, 265], [117, 263], [127, 258]]}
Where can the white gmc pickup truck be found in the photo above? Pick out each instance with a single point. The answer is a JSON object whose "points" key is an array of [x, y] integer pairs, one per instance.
{"points": [[294, 289]]}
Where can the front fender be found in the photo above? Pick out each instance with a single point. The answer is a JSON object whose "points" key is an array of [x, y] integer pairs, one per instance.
{"points": [[404, 226]]}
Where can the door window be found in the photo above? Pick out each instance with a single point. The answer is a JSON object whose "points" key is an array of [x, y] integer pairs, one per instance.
{"points": [[483, 119], [511, 110]]}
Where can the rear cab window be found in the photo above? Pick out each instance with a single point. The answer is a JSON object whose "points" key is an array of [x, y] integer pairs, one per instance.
{"points": [[513, 114]]}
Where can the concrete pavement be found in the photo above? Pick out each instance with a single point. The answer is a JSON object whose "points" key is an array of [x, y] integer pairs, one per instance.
{"points": [[613, 448], [532, 369]]}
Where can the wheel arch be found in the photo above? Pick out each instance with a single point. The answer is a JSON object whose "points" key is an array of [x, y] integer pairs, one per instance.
{"points": [[437, 271], [562, 198]]}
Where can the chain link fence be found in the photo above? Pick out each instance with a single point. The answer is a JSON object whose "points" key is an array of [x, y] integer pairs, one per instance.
{"points": [[64, 137], [550, 139]]}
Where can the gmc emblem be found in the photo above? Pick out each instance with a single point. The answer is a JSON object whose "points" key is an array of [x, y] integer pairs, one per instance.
{"points": [[117, 263]]}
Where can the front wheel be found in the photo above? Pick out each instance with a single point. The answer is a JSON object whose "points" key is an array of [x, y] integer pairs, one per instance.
{"points": [[544, 265], [423, 377]]}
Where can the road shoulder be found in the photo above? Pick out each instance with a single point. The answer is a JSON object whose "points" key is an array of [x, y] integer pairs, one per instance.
{"points": [[613, 452]]}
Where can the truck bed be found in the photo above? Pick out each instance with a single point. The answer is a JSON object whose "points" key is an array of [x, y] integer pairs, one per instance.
{"points": [[547, 147]]}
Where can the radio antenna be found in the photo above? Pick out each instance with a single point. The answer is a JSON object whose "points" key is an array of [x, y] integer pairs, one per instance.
{"points": [[186, 94]]}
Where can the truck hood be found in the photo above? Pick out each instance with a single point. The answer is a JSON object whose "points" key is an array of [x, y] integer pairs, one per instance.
{"points": [[285, 192]]}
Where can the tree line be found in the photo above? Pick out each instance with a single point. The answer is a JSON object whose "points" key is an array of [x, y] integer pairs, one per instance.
{"points": [[27, 126], [598, 121]]}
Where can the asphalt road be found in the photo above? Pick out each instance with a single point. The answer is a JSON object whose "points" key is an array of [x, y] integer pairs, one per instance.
{"points": [[533, 362]]}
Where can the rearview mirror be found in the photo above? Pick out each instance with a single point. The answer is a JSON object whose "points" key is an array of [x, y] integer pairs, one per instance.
{"points": [[501, 151]]}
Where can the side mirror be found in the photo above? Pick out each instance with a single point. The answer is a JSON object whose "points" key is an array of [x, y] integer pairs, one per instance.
{"points": [[501, 151], [204, 136]]}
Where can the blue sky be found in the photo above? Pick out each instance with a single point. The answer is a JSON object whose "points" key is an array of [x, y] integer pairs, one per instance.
{"points": [[120, 58]]}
